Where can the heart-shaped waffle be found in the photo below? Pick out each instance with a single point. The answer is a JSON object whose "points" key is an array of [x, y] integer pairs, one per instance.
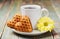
{"points": [[20, 23], [24, 25], [11, 23]]}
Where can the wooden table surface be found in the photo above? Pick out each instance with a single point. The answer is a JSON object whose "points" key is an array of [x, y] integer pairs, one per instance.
{"points": [[9, 7]]}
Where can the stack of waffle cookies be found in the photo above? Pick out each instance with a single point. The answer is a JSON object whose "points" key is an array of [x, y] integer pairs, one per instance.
{"points": [[20, 23]]}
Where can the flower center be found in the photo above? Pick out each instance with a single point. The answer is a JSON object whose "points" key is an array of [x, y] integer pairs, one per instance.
{"points": [[45, 24]]}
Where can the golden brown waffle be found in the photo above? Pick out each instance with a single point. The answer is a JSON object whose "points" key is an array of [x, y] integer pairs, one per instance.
{"points": [[20, 23], [24, 25]]}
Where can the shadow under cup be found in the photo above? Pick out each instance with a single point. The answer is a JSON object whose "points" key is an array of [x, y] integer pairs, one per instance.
{"points": [[33, 12]]}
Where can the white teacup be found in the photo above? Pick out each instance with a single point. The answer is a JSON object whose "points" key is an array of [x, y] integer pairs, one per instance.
{"points": [[34, 12]]}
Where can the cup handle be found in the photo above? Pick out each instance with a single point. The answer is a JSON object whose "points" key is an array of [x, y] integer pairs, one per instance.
{"points": [[45, 12]]}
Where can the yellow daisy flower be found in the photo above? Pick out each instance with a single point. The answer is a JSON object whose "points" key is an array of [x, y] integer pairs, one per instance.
{"points": [[45, 24]]}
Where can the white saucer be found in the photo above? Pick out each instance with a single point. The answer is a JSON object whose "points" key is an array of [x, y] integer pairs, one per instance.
{"points": [[34, 32]]}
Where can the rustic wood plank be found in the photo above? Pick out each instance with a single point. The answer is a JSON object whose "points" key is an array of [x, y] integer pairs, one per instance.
{"points": [[56, 32], [8, 31], [3, 16], [2, 2], [8, 34]]}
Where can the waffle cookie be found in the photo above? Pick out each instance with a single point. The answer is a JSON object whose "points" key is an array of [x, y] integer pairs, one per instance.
{"points": [[20, 23], [16, 18], [24, 25]]}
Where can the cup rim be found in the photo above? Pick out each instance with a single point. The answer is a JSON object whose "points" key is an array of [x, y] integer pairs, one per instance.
{"points": [[36, 6]]}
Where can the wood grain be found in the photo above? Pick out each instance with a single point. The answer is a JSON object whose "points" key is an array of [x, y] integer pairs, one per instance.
{"points": [[6, 16], [2, 3], [3, 16], [10, 34], [56, 31]]}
